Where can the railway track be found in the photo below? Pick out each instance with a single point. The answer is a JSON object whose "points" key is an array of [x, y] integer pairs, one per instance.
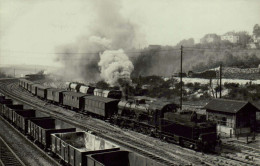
{"points": [[8, 156], [27, 152], [166, 153], [102, 130]]}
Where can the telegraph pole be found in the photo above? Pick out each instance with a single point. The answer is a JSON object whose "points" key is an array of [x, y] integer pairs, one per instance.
{"points": [[220, 80], [181, 77]]}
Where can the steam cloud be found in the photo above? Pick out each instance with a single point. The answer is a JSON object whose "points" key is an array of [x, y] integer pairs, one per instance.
{"points": [[115, 64], [109, 31]]}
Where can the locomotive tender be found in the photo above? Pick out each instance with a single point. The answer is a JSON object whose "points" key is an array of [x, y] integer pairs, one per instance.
{"points": [[159, 119]]}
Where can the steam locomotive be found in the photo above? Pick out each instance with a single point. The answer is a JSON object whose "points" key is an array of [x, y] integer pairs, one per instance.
{"points": [[159, 119]]}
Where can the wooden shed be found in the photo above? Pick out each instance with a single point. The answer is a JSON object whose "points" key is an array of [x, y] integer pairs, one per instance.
{"points": [[233, 117]]}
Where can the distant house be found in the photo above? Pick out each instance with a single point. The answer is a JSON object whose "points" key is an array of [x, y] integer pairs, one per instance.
{"points": [[230, 36], [209, 38], [232, 117]]}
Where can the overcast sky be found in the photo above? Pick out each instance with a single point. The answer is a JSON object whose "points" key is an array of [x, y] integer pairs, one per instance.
{"points": [[31, 30]]}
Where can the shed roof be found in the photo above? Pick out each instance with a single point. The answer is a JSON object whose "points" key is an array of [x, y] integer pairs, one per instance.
{"points": [[101, 99], [228, 106], [76, 94], [257, 105]]}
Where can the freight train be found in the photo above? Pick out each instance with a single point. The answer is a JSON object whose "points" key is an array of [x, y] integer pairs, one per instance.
{"points": [[64, 142], [87, 89], [159, 119]]}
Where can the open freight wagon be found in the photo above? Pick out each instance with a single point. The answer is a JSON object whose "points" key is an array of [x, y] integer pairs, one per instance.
{"points": [[4, 101], [73, 147], [120, 158], [41, 129], [8, 110]]}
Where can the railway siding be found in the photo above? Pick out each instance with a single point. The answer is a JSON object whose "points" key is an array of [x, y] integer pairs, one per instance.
{"points": [[26, 151], [172, 153]]}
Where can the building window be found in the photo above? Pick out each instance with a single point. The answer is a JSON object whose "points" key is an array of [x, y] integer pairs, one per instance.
{"points": [[224, 121]]}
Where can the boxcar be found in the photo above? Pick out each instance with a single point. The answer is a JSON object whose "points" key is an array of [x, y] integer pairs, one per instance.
{"points": [[120, 158], [41, 91], [34, 89], [43, 128], [8, 110], [29, 86], [86, 89], [21, 82], [72, 147], [55, 95], [98, 92], [100, 106], [115, 94], [74, 87], [73, 100], [67, 85], [25, 83]]}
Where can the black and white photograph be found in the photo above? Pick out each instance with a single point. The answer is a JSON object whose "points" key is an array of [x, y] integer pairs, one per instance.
{"points": [[130, 83]]}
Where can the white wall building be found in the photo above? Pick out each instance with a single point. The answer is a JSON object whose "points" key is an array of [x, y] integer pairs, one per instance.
{"points": [[230, 36]]}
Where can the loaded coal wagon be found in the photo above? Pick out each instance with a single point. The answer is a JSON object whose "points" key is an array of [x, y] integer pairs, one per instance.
{"points": [[4, 101], [42, 128], [8, 110], [120, 158], [72, 147]]}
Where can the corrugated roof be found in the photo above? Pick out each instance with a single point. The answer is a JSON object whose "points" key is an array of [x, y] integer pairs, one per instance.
{"points": [[223, 105], [74, 94], [99, 98]]}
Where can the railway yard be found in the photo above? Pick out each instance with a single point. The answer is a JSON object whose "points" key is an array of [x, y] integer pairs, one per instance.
{"points": [[230, 152]]}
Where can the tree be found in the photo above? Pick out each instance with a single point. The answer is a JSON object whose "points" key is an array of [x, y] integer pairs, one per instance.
{"points": [[210, 38], [244, 38], [186, 42], [256, 30]]}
